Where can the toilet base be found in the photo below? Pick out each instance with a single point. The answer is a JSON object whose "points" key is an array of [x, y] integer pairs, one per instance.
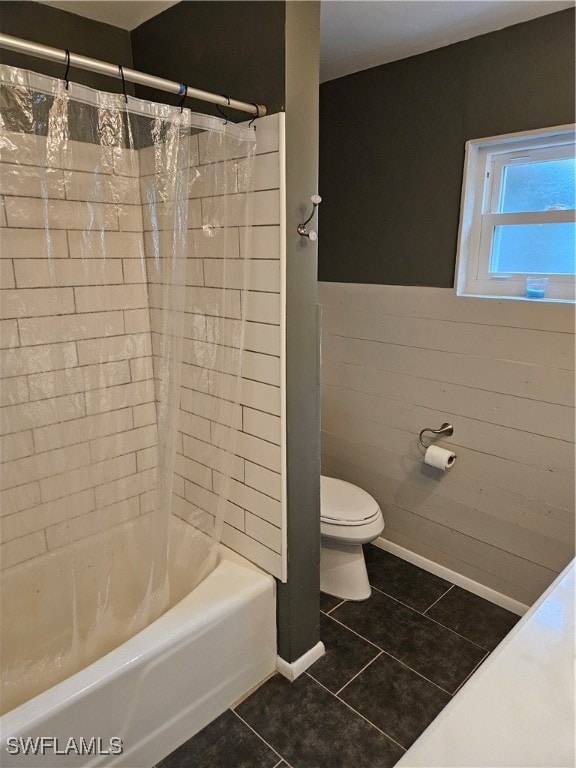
{"points": [[343, 570]]}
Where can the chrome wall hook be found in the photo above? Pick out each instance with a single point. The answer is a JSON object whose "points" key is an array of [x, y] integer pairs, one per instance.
{"points": [[303, 230], [445, 429]]}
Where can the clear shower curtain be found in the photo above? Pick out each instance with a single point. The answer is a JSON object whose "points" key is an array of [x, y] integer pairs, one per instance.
{"points": [[125, 261]]}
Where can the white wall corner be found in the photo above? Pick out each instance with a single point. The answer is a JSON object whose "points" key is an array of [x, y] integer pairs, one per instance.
{"points": [[292, 670]]}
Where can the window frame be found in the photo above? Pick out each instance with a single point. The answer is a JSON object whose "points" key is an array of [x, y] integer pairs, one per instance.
{"points": [[481, 190]]}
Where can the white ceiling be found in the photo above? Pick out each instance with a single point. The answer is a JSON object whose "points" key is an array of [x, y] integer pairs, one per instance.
{"points": [[359, 34], [126, 14]]}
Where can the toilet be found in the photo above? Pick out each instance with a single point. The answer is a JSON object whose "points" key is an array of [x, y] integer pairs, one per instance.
{"points": [[349, 518]]}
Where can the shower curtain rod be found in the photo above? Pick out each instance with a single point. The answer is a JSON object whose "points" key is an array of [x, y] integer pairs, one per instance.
{"points": [[132, 75]]}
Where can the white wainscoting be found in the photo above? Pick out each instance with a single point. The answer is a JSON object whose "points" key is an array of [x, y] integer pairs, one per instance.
{"points": [[396, 359]]}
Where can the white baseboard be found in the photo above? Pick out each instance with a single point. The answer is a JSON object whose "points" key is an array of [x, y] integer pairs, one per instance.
{"points": [[452, 576], [292, 670]]}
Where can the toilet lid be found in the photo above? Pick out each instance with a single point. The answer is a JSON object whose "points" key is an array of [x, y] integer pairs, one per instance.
{"points": [[345, 503]]}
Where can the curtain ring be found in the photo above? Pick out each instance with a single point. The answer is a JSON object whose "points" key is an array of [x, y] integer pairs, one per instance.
{"points": [[66, 80], [256, 116], [224, 115], [123, 82], [184, 92]]}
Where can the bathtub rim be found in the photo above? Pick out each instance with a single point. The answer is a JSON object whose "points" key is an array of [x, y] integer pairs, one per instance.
{"points": [[133, 651]]}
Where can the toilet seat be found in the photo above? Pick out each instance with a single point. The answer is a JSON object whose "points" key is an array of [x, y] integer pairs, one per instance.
{"points": [[344, 504]]}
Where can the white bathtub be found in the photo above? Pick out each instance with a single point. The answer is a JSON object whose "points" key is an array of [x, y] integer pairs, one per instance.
{"points": [[164, 684]]}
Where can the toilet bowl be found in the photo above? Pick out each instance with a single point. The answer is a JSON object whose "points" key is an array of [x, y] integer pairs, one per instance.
{"points": [[349, 518]]}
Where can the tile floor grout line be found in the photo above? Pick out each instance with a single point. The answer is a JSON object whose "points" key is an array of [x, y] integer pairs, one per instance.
{"points": [[482, 660], [431, 619], [396, 600], [435, 601], [341, 623], [458, 634], [339, 691], [403, 663], [334, 608], [357, 713], [407, 666], [261, 739]]}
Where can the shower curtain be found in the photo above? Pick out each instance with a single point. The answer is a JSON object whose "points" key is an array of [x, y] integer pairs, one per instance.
{"points": [[125, 260]]}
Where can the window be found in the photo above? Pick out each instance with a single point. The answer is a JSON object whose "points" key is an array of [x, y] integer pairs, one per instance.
{"points": [[517, 215]]}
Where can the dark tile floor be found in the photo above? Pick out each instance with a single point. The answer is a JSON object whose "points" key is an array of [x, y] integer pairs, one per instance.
{"points": [[392, 663]]}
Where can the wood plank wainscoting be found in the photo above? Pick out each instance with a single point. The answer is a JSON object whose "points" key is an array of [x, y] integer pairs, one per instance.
{"points": [[396, 359]]}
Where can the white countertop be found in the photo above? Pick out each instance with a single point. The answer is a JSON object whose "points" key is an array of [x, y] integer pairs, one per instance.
{"points": [[518, 708]]}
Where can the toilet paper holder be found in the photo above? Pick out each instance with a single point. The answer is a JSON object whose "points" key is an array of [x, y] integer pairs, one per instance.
{"points": [[444, 429]]}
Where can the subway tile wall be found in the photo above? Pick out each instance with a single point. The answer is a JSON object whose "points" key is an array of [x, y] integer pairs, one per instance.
{"points": [[79, 435], [253, 496], [74, 431]]}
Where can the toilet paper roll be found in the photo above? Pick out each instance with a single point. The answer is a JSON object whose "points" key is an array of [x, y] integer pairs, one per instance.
{"points": [[439, 457]]}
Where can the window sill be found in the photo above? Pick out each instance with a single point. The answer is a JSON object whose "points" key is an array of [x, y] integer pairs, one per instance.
{"points": [[545, 300]]}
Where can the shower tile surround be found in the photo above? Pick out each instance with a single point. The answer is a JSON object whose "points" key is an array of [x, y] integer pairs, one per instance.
{"points": [[54, 337], [253, 511], [370, 697], [62, 315]]}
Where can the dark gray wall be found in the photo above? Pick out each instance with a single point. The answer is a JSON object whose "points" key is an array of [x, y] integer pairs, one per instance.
{"points": [[233, 48], [392, 145], [60, 29], [298, 600]]}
